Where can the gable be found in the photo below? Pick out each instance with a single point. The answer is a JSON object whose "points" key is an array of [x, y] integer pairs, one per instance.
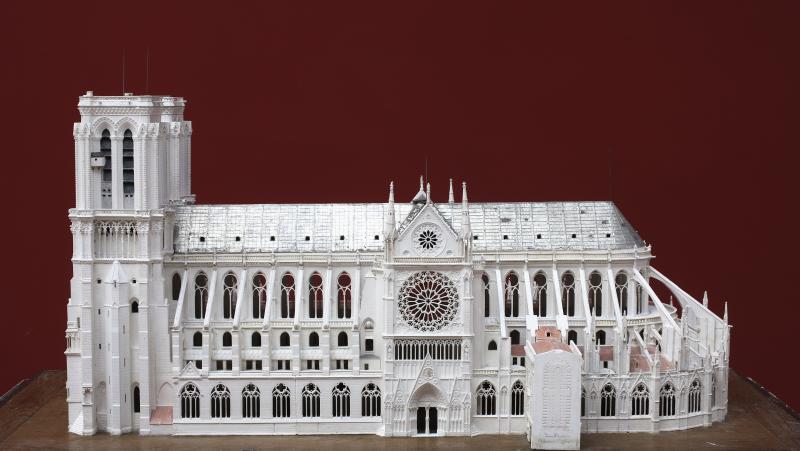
{"points": [[427, 234]]}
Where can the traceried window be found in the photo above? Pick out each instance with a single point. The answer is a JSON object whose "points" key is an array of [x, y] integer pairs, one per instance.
{"points": [[608, 401], [486, 397], [313, 340], [621, 282], [106, 182], [596, 293], [200, 295], [190, 401], [572, 337], [512, 295], [315, 296], [287, 296], [127, 169], [176, 286], [428, 301], [259, 295], [310, 401], [517, 398], [429, 241], [600, 337], [371, 401], [344, 296], [229, 294], [695, 393], [220, 402], [640, 400], [666, 405], [340, 398], [281, 401], [251, 401], [568, 293], [487, 310], [540, 294]]}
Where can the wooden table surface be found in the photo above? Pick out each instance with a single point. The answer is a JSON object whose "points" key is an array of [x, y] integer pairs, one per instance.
{"points": [[35, 417]]}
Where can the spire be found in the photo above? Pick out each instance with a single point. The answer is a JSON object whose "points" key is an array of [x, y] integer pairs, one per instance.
{"points": [[428, 194], [466, 227], [421, 197], [725, 316], [388, 223], [705, 299], [450, 198]]}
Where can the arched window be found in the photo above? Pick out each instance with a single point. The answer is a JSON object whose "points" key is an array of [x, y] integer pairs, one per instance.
{"points": [[514, 337], [596, 293], [695, 396], [220, 402], [568, 293], [344, 296], [127, 169], [251, 401], [621, 282], [572, 337], [106, 182], [255, 340], [134, 307], [341, 339], [284, 340], [200, 295], [486, 399], [600, 337], [176, 286], [640, 400], [666, 405], [315, 296], [540, 294], [486, 295], [229, 294], [197, 339], [608, 401], [226, 340], [190, 401], [371, 401], [512, 295], [517, 398], [259, 295], [287, 296], [341, 400], [313, 340], [281, 397], [492, 345], [583, 402], [137, 405], [310, 401]]}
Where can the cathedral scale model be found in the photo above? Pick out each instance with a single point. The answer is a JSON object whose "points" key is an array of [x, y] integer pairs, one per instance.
{"points": [[395, 319]]}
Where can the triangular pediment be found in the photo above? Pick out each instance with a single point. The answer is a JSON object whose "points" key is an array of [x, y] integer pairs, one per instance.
{"points": [[426, 233], [189, 371]]}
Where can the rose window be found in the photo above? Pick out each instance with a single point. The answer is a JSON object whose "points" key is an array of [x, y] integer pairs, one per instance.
{"points": [[428, 240], [428, 301]]}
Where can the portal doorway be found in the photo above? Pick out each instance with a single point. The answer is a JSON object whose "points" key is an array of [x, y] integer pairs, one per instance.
{"points": [[427, 420]]}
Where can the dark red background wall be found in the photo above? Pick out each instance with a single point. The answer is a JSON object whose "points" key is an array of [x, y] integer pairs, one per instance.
{"points": [[694, 106]]}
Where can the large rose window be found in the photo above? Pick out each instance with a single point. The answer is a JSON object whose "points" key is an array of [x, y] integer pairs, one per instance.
{"points": [[428, 301]]}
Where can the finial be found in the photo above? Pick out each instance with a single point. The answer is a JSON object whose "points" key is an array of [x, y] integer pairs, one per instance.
{"points": [[421, 185], [450, 198], [391, 192], [464, 193], [420, 197], [725, 316], [428, 193], [670, 301], [705, 299]]}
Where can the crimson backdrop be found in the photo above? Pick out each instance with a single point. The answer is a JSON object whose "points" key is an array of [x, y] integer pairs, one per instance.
{"points": [[694, 106]]}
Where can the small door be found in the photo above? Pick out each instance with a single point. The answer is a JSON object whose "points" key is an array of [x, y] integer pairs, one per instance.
{"points": [[433, 420], [420, 420]]}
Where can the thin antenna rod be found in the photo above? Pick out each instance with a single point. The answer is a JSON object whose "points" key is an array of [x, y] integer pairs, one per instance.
{"points": [[426, 168], [123, 71], [610, 176], [147, 71]]}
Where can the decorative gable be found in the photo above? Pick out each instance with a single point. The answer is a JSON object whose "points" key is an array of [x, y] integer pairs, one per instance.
{"points": [[427, 234]]}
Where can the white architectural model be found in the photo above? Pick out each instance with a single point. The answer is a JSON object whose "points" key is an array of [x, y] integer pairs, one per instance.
{"points": [[396, 319]]}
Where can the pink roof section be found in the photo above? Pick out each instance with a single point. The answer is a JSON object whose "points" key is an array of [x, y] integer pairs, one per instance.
{"points": [[548, 338], [161, 415]]}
